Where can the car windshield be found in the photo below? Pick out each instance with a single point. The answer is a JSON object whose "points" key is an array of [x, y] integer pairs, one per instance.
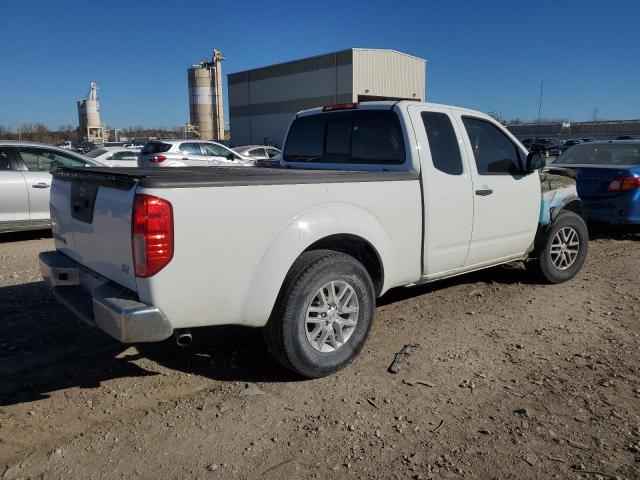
{"points": [[96, 153], [598, 154]]}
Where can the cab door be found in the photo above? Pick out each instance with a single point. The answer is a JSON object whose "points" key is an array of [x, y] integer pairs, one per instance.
{"points": [[447, 190], [506, 201]]}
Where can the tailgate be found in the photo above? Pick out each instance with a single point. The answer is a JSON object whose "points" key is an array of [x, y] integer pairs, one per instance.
{"points": [[91, 223]]}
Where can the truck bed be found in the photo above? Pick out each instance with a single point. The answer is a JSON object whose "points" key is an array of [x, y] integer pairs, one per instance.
{"points": [[192, 177]]}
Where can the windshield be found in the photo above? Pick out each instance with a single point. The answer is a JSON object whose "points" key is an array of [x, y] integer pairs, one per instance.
{"points": [[599, 154], [95, 153]]}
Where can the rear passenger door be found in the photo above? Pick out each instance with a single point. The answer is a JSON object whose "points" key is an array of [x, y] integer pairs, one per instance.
{"points": [[506, 201], [447, 190], [14, 199]]}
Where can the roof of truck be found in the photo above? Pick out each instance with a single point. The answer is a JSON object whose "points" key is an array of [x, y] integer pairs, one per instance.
{"points": [[388, 104]]}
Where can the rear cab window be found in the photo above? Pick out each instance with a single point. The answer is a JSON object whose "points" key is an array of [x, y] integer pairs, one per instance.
{"points": [[353, 137]]}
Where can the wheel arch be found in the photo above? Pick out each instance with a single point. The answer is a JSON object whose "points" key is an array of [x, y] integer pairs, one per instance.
{"points": [[346, 228], [360, 249]]}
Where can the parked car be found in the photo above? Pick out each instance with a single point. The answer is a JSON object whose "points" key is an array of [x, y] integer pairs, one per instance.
{"points": [[257, 152], [67, 145], [375, 196], [607, 179], [537, 144], [115, 156], [567, 144], [189, 153], [25, 182]]}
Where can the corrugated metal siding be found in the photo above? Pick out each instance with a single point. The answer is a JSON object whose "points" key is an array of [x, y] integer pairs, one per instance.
{"points": [[291, 68], [386, 73]]}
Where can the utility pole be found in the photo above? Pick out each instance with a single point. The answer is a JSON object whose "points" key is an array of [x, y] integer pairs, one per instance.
{"points": [[539, 109]]}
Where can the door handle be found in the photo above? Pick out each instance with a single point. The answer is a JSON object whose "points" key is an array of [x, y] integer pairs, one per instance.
{"points": [[41, 185], [185, 158], [484, 192]]}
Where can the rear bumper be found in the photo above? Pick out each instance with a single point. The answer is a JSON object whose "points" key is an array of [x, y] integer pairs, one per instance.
{"points": [[103, 303], [613, 211]]}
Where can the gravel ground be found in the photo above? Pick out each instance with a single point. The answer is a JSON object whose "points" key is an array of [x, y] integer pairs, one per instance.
{"points": [[511, 379]]}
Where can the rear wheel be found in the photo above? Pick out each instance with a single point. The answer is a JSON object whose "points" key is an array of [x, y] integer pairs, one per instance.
{"points": [[323, 314], [565, 249]]}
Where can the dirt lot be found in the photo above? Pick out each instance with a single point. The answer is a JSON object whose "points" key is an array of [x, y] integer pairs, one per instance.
{"points": [[520, 380]]}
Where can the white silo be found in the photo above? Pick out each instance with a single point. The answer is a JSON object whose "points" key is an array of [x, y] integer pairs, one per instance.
{"points": [[206, 108], [91, 129]]}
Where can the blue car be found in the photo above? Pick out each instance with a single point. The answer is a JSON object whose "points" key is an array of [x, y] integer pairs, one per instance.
{"points": [[607, 179]]}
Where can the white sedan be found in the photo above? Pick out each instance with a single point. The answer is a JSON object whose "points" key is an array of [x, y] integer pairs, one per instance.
{"points": [[115, 156]]}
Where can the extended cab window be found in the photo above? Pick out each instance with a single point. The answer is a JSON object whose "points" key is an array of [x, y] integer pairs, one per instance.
{"points": [[494, 152], [366, 136], [443, 143]]}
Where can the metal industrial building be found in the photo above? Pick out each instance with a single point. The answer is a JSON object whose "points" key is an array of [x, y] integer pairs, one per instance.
{"points": [[263, 101]]}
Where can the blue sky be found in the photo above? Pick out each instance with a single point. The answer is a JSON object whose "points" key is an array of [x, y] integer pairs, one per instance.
{"points": [[487, 55]]}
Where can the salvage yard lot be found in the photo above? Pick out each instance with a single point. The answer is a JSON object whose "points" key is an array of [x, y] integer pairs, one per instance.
{"points": [[520, 380]]}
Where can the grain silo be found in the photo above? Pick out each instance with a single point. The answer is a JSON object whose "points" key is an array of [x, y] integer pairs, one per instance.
{"points": [[91, 129], [205, 98]]}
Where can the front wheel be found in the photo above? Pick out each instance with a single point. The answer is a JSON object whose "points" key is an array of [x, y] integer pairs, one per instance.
{"points": [[565, 249], [323, 314]]}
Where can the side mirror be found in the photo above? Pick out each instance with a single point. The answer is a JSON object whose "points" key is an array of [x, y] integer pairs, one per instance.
{"points": [[536, 161], [231, 156]]}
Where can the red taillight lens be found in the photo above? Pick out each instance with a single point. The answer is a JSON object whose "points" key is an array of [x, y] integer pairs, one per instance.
{"points": [[157, 159], [624, 183], [340, 106], [151, 234]]}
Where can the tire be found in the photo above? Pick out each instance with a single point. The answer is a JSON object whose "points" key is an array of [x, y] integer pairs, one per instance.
{"points": [[299, 311], [553, 267]]}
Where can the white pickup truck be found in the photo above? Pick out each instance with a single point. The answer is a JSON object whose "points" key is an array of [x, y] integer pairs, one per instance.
{"points": [[370, 196]]}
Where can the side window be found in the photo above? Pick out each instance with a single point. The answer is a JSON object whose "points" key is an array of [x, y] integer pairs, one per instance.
{"points": [[494, 152], [445, 151], [272, 152], [124, 156], [41, 160], [214, 150], [257, 152], [5, 164], [190, 148]]}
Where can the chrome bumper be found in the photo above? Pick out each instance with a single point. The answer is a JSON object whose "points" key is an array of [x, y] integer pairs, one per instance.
{"points": [[101, 302]]}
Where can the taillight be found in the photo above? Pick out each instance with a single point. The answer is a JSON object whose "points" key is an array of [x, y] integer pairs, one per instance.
{"points": [[624, 183], [151, 234], [340, 106], [157, 159]]}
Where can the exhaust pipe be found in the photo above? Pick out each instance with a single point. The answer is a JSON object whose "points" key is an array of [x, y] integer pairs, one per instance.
{"points": [[183, 337]]}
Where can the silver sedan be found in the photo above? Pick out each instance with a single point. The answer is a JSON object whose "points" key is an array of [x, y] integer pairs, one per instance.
{"points": [[25, 182]]}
